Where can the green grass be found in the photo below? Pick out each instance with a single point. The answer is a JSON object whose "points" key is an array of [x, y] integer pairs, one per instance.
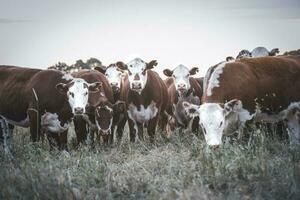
{"points": [[181, 168]]}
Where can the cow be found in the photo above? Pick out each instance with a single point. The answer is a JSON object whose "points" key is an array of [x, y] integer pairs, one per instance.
{"points": [[182, 88], [101, 109], [255, 53], [145, 95], [262, 89], [116, 77], [44, 100]]}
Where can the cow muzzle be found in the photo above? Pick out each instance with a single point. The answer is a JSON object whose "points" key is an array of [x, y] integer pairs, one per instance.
{"points": [[105, 132], [78, 111], [136, 86], [115, 87]]}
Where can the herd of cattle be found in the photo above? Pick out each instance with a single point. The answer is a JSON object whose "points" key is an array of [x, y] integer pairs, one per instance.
{"points": [[260, 88]]}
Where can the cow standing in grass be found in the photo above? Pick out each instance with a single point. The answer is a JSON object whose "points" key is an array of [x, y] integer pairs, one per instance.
{"points": [[145, 95], [116, 78], [44, 100], [182, 87], [101, 109], [262, 89]]}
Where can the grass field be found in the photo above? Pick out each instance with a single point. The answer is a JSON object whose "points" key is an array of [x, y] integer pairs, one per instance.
{"points": [[181, 168]]}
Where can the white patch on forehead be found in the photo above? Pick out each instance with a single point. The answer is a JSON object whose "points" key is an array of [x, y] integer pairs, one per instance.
{"points": [[259, 52], [67, 77], [79, 97], [50, 122], [214, 78], [114, 75], [181, 70], [136, 64]]}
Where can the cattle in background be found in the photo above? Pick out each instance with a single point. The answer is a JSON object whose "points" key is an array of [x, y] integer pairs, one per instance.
{"points": [[117, 78], [182, 87], [145, 95], [44, 100], [262, 89], [101, 109], [255, 53]]}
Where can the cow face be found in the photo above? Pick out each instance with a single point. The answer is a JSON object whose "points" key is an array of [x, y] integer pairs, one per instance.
{"points": [[181, 75], [104, 113], [114, 76], [217, 120], [77, 92], [137, 73]]}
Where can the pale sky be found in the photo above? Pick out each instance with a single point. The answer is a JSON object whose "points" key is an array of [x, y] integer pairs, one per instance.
{"points": [[39, 33]]}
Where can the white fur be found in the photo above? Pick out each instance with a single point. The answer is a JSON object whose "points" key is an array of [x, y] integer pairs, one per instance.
{"points": [[143, 115], [114, 76], [214, 78], [181, 76], [80, 93], [259, 52], [50, 122], [136, 67]]}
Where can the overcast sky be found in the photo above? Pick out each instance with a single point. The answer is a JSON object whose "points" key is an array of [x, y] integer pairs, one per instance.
{"points": [[39, 33]]}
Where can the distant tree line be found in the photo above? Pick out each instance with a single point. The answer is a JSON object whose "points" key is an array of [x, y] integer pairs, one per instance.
{"points": [[79, 64]]}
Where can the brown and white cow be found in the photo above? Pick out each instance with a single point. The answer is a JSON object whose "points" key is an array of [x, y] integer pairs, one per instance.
{"points": [[44, 100], [182, 87], [101, 109], [145, 95], [263, 89], [116, 77]]}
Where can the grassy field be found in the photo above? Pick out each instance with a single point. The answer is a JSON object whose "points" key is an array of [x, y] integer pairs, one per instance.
{"points": [[181, 168]]}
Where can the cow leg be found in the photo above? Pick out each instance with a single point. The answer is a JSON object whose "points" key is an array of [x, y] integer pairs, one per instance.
{"points": [[152, 128], [140, 131], [111, 135], [63, 141], [6, 131], [132, 130], [120, 129], [35, 124], [80, 129]]}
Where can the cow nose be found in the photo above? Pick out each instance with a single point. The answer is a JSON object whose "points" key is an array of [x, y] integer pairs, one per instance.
{"points": [[78, 111], [136, 85], [114, 84], [181, 86], [105, 132]]}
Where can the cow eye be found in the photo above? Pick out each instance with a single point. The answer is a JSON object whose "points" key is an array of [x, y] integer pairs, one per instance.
{"points": [[72, 94], [221, 124], [86, 93]]}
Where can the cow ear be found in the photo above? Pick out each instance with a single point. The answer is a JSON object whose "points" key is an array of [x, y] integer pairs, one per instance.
{"points": [[229, 58], [234, 105], [194, 70], [151, 64], [119, 107], [168, 72], [95, 87], [192, 110], [62, 88], [100, 69], [121, 65]]}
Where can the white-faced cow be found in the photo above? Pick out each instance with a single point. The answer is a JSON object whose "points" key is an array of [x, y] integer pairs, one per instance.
{"points": [[263, 89], [255, 53], [183, 87], [101, 109], [44, 100], [145, 95], [116, 77]]}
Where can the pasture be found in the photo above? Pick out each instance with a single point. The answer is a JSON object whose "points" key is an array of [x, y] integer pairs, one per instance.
{"points": [[263, 167]]}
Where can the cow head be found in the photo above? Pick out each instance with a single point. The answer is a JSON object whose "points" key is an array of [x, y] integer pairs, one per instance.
{"points": [[217, 119], [104, 113], [244, 54], [114, 75], [181, 75], [77, 92], [137, 73]]}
